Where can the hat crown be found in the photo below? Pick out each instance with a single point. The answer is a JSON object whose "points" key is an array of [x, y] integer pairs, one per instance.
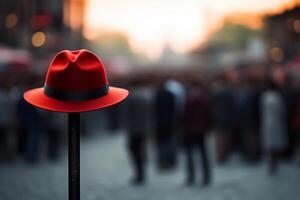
{"points": [[76, 71]]}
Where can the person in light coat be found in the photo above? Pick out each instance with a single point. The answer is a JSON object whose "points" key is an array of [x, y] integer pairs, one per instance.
{"points": [[273, 124]]}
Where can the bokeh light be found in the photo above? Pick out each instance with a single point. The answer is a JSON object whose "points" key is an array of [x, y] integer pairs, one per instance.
{"points": [[38, 39], [296, 26], [11, 20], [277, 54]]}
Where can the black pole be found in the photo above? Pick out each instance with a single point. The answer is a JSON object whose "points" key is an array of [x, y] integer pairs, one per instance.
{"points": [[74, 155]]}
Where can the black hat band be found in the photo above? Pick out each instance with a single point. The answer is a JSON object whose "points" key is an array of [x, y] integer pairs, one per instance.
{"points": [[75, 96]]}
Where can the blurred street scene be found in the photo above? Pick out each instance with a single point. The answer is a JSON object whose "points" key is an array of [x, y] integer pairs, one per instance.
{"points": [[105, 172], [213, 110]]}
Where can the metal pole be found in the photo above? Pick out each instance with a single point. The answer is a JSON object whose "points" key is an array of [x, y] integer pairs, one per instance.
{"points": [[74, 155]]}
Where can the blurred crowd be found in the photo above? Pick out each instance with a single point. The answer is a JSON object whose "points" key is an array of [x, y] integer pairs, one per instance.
{"points": [[252, 112], [26, 131]]}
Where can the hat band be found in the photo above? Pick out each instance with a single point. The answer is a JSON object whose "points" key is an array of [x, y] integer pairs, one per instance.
{"points": [[75, 96]]}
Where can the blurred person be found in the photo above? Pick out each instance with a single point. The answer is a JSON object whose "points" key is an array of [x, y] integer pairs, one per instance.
{"points": [[54, 126], [165, 118], [177, 89], [290, 100], [248, 119], [273, 123], [296, 128], [138, 112], [236, 85], [29, 124], [196, 122], [114, 119], [224, 117], [7, 119], [289, 94]]}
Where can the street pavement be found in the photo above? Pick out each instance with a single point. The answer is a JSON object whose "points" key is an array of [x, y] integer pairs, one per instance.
{"points": [[106, 171]]}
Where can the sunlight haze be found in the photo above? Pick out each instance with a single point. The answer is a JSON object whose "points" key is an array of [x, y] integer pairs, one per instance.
{"points": [[151, 25]]}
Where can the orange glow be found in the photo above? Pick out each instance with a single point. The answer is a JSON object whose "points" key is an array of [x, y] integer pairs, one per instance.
{"points": [[11, 20], [296, 25], [38, 39], [182, 25], [276, 54], [150, 25], [253, 21], [74, 13]]}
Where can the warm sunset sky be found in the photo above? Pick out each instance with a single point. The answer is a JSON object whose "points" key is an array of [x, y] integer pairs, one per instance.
{"points": [[152, 24]]}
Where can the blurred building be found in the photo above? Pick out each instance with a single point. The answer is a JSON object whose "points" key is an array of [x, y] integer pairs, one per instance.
{"points": [[41, 27], [32, 24], [231, 46], [283, 35], [73, 14]]}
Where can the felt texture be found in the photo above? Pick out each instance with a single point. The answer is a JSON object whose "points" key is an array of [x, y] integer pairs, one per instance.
{"points": [[75, 71]]}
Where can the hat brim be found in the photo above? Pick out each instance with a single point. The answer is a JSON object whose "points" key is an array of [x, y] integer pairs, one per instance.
{"points": [[38, 98]]}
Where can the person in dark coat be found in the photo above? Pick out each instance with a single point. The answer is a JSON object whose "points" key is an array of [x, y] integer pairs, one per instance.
{"points": [[165, 117], [138, 104], [7, 120], [224, 116], [53, 124], [29, 124], [196, 122], [247, 101], [178, 90], [296, 128]]}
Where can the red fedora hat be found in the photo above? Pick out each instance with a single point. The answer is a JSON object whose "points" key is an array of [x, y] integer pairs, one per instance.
{"points": [[75, 82]]}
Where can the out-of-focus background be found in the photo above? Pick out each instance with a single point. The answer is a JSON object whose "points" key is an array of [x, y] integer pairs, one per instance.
{"points": [[213, 111]]}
